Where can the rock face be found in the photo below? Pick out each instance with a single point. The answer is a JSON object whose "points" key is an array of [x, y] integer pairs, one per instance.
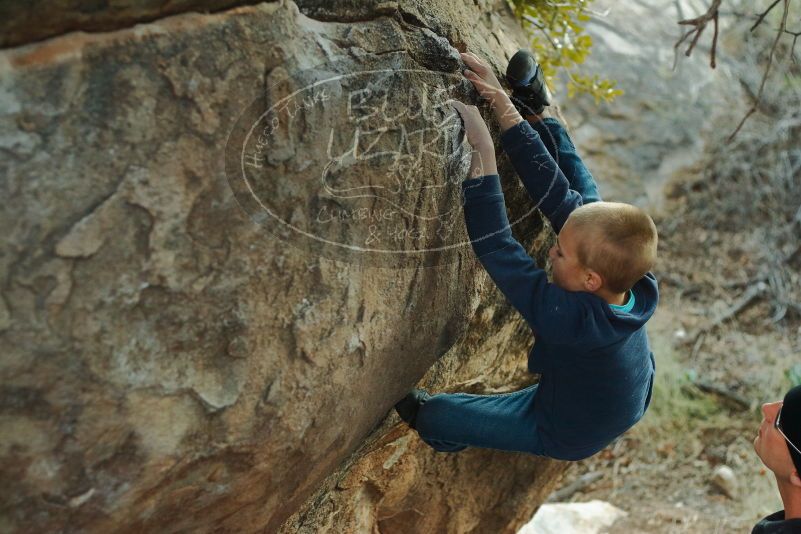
{"points": [[24, 22], [230, 247]]}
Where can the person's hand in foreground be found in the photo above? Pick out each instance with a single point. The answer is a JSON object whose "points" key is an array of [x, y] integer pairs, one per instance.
{"points": [[483, 159], [486, 83]]}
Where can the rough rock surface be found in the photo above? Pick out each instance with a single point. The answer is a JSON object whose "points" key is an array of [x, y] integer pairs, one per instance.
{"points": [[25, 22], [171, 361]]}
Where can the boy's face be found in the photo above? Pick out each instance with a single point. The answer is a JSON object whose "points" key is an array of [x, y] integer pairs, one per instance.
{"points": [[568, 272]]}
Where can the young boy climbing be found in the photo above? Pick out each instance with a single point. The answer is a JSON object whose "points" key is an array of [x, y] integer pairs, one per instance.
{"points": [[591, 351]]}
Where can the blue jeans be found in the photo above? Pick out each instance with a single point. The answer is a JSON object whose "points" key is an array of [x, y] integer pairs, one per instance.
{"points": [[451, 422], [562, 150]]}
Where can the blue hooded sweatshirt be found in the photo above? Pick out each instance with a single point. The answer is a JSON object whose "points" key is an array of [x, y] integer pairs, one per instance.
{"points": [[595, 364]]}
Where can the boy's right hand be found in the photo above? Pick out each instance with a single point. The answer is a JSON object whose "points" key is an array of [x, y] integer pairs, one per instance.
{"points": [[474, 126]]}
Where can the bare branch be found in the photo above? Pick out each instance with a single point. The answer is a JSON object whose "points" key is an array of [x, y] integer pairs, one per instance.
{"points": [[699, 25], [782, 30], [677, 45], [531, 20], [714, 40], [792, 47], [742, 121], [742, 302], [764, 14], [733, 397]]}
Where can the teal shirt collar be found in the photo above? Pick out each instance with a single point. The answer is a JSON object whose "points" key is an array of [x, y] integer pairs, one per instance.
{"points": [[627, 307]]}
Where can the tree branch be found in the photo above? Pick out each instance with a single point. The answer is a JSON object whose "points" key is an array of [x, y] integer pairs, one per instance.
{"points": [[531, 20], [699, 25], [764, 14], [792, 47], [779, 33]]}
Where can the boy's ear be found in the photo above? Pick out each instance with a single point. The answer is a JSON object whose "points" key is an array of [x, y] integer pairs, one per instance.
{"points": [[795, 480], [593, 281]]}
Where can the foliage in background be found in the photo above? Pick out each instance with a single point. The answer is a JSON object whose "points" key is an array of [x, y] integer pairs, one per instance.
{"points": [[676, 404], [560, 42]]}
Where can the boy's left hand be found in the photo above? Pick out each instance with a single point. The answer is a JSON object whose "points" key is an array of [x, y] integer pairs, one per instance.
{"points": [[483, 157], [474, 126]]}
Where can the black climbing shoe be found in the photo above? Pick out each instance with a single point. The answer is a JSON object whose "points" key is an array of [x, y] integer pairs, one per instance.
{"points": [[408, 406], [529, 92]]}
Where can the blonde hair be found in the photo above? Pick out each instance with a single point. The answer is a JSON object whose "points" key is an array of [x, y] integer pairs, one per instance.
{"points": [[616, 240]]}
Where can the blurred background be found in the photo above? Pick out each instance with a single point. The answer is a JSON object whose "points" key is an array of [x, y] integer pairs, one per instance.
{"points": [[727, 333]]}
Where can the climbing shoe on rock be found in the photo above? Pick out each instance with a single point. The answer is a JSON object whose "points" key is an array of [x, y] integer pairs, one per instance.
{"points": [[408, 406], [529, 92]]}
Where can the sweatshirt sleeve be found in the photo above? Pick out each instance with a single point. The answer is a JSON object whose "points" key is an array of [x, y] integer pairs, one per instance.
{"points": [[541, 176], [544, 306]]}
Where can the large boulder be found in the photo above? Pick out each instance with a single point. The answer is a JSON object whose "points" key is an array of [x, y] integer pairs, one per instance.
{"points": [[195, 334], [25, 22]]}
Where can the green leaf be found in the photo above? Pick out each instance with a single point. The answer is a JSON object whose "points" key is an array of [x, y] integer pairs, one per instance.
{"points": [[561, 44]]}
